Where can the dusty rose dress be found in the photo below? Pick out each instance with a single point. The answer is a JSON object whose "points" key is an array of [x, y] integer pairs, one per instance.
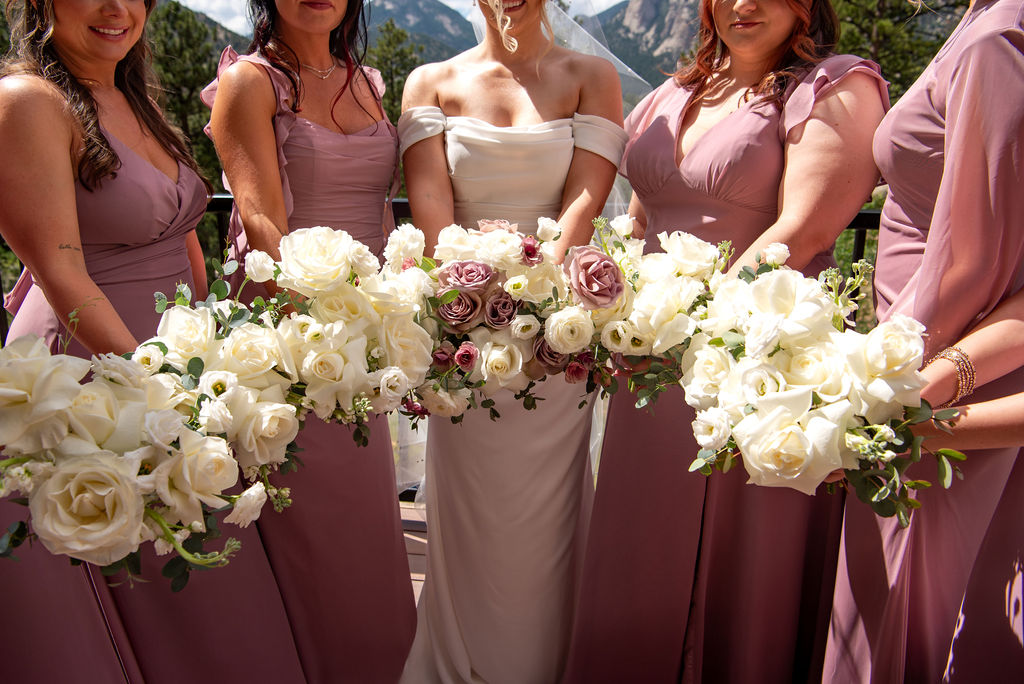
{"points": [[704, 578], [65, 622], [338, 552], [950, 249]]}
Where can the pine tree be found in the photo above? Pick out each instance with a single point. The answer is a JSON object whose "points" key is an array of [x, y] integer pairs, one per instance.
{"points": [[395, 57]]}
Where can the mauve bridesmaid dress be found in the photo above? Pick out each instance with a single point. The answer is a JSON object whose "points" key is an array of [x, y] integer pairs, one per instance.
{"points": [[707, 579], [951, 248], [338, 553], [66, 624]]}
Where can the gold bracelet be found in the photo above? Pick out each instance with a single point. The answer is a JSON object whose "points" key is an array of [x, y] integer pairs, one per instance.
{"points": [[965, 373]]}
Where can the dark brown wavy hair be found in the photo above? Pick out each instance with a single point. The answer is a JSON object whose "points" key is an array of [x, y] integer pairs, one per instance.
{"points": [[32, 52], [813, 39]]}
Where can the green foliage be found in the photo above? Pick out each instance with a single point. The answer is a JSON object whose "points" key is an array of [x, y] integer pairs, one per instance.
{"points": [[395, 57], [5, 34]]}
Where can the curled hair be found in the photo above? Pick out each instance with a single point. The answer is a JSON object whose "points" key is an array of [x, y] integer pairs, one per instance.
{"points": [[347, 43], [505, 23], [32, 52], [814, 37]]}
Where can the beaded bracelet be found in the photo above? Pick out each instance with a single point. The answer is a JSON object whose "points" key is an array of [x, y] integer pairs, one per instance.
{"points": [[965, 374]]}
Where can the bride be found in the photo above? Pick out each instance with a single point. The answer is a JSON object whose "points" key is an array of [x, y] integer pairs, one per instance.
{"points": [[515, 128]]}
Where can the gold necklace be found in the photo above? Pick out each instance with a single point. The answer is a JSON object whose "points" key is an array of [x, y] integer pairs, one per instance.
{"points": [[322, 74]]}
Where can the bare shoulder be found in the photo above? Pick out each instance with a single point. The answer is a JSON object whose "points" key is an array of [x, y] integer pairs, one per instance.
{"points": [[30, 105], [855, 93], [589, 68], [597, 82], [246, 79], [425, 81]]}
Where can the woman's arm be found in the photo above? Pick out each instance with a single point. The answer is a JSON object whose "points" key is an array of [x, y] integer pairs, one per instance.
{"points": [[242, 124], [198, 262], [986, 425], [590, 175], [425, 164], [829, 173], [636, 210], [39, 214]]}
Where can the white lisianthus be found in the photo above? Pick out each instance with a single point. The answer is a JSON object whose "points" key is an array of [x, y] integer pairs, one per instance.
{"points": [[775, 254], [407, 346], [220, 384], [536, 284], [201, 469], [248, 506], [547, 229], [259, 266], [443, 403], [501, 360], [454, 243], [89, 508], [692, 256], [256, 355], [617, 336], [405, 242], [524, 327], [315, 260], [516, 285], [149, 357], [392, 386], [187, 333], [36, 393], [622, 225], [711, 428], [569, 330]]}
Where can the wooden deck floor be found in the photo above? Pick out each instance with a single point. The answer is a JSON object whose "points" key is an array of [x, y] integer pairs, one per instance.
{"points": [[415, 528]]}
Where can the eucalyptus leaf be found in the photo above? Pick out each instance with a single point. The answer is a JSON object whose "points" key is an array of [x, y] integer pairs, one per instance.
{"points": [[220, 289], [230, 267], [945, 471]]}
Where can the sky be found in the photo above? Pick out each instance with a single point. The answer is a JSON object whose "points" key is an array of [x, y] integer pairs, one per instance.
{"points": [[232, 14]]}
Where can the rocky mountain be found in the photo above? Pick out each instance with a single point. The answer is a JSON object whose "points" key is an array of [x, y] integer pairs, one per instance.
{"points": [[441, 31], [650, 35]]}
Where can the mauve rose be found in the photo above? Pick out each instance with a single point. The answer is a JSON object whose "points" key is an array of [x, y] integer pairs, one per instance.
{"points": [[552, 362], [465, 276], [576, 372], [594, 277], [463, 313], [531, 251], [444, 356], [466, 356], [487, 225], [586, 357], [500, 309]]}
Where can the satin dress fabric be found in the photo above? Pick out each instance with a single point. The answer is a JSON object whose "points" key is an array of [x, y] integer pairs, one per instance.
{"points": [[507, 501], [338, 552], [705, 579]]}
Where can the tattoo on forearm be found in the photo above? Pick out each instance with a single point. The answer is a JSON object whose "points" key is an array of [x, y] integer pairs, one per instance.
{"points": [[69, 246]]}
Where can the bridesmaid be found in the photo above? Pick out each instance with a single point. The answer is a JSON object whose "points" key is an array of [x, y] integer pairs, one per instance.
{"points": [[951, 248], [99, 198], [299, 127], [764, 138]]}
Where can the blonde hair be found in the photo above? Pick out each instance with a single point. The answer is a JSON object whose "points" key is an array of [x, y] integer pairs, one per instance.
{"points": [[505, 23]]}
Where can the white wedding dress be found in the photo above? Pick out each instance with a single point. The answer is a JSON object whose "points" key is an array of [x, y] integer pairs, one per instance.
{"points": [[508, 500]]}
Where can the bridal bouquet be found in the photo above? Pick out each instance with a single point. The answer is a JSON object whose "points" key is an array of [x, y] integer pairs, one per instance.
{"points": [[778, 378], [107, 463]]}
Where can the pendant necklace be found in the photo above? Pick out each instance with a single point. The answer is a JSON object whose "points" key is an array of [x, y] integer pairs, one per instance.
{"points": [[322, 74]]}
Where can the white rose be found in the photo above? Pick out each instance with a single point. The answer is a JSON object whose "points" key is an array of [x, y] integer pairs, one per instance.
{"points": [[762, 334], [804, 307], [36, 392], [248, 506], [707, 368], [187, 333], [501, 360], [364, 262], [622, 225], [748, 383], [692, 256], [334, 376], [621, 308], [256, 355], [94, 411], [201, 469], [569, 330], [535, 284], [120, 371], [524, 327], [443, 403], [547, 229], [711, 428], [162, 427], [454, 243], [315, 260], [347, 304], [393, 295], [656, 267], [264, 433], [729, 310], [407, 346], [259, 266], [149, 357], [822, 368], [216, 418], [164, 390], [405, 242], [775, 254], [90, 508], [883, 366]]}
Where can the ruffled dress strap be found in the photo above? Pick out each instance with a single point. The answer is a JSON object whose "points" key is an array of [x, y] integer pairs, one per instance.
{"points": [[819, 81], [599, 135], [419, 123]]}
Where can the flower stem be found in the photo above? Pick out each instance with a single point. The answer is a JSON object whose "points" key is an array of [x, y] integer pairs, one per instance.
{"points": [[206, 560], [16, 461]]}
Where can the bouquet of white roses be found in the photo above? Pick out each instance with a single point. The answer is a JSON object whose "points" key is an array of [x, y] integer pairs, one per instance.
{"points": [[107, 464], [778, 378]]}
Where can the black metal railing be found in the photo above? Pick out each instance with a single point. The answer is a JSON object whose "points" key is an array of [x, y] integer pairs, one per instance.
{"points": [[220, 206]]}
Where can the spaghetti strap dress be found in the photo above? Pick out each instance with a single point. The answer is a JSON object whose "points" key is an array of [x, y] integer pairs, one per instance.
{"points": [[686, 576], [338, 552], [507, 500]]}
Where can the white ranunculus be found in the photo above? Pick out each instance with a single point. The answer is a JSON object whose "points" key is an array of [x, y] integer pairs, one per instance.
{"points": [[524, 327], [89, 508], [259, 266], [364, 262], [187, 333], [407, 346], [500, 249], [569, 330], [256, 355], [501, 360], [804, 307], [707, 368], [775, 254], [454, 243], [149, 357], [711, 428], [248, 506], [36, 393], [264, 432], [443, 403], [315, 260], [547, 229], [692, 256], [405, 242], [201, 469], [822, 368], [622, 225]]}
